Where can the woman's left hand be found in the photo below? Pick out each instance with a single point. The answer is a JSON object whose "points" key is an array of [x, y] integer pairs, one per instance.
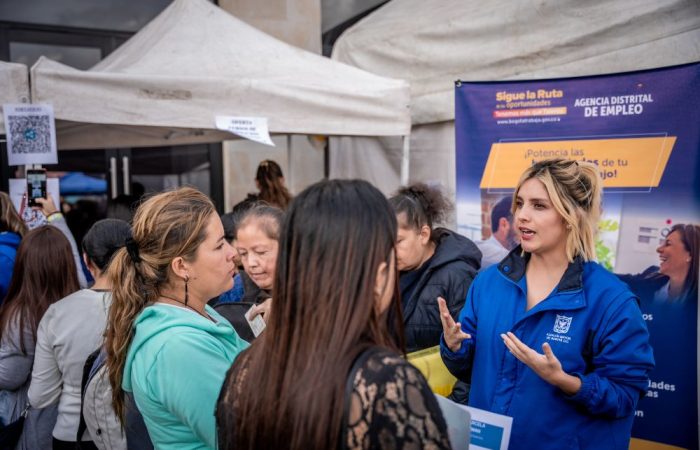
{"points": [[546, 365]]}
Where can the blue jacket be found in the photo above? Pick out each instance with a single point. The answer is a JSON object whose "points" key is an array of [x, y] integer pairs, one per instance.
{"points": [[9, 242], [595, 328]]}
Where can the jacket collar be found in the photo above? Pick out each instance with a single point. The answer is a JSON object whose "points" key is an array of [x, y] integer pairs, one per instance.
{"points": [[513, 267]]}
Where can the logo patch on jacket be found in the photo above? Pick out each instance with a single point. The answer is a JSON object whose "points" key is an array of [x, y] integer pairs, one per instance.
{"points": [[562, 324]]}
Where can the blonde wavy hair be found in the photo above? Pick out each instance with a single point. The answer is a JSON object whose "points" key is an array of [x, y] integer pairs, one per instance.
{"points": [[575, 190], [168, 225]]}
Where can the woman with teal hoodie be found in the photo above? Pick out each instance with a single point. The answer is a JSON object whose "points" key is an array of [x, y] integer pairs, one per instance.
{"points": [[165, 346]]}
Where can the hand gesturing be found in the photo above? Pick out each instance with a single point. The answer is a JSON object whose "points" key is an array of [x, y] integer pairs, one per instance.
{"points": [[452, 331]]}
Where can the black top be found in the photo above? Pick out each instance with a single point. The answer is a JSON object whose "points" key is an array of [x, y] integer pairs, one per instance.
{"points": [[448, 274], [392, 407], [388, 405]]}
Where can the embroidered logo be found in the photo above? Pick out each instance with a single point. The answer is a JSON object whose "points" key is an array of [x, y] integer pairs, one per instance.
{"points": [[562, 324]]}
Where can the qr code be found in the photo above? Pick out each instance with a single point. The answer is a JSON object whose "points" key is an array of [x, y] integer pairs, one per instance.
{"points": [[29, 134]]}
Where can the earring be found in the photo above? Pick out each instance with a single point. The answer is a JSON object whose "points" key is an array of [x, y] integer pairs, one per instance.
{"points": [[187, 278]]}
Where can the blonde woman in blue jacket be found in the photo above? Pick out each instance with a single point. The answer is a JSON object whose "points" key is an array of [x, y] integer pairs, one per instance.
{"points": [[550, 337]]}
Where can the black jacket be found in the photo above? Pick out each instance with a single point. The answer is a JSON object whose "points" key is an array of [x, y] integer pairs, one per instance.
{"points": [[449, 274]]}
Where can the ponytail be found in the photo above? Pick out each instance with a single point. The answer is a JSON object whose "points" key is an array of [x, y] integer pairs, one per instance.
{"points": [[269, 177], [127, 303]]}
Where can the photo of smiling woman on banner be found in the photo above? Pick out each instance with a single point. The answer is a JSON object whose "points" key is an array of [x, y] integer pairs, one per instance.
{"points": [[549, 328], [668, 296]]}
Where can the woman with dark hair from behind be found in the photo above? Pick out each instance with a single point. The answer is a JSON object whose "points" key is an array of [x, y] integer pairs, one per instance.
{"points": [[70, 330], [334, 377], [44, 273], [433, 262], [12, 228], [270, 182]]}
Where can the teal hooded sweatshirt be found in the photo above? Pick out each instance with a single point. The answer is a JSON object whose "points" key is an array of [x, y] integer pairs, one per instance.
{"points": [[175, 367]]}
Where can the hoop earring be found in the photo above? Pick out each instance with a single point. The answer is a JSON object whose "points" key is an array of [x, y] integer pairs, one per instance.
{"points": [[187, 278]]}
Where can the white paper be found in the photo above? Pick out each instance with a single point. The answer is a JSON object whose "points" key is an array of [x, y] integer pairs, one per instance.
{"points": [[31, 134], [489, 431], [257, 324], [33, 218], [253, 128]]}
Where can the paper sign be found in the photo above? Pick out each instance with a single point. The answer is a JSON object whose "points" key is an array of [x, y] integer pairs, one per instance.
{"points": [[253, 128], [475, 428], [489, 431], [32, 217], [31, 134], [257, 324]]}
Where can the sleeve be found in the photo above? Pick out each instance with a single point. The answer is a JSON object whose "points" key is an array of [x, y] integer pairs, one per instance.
{"points": [[6, 266], [621, 365], [15, 366], [392, 407], [62, 226], [201, 365], [47, 380], [459, 362]]}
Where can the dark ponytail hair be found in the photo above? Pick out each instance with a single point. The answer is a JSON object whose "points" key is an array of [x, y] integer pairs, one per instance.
{"points": [[323, 316], [103, 239], [422, 205], [269, 177]]}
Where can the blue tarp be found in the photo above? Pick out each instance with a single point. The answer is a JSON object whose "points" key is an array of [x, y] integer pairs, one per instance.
{"points": [[78, 183]]}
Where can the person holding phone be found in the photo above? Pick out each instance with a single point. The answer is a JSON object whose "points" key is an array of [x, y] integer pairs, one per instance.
{"points": [[550, 337]]}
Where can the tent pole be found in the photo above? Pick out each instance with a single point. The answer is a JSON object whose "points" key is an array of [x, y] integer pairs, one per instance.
{"points": [[289, 181], [405, 160]]}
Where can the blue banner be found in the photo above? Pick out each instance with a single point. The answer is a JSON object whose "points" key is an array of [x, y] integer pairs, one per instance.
{"points": [[642, 129]]}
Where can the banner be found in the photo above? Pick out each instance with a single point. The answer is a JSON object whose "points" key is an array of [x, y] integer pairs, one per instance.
{"points": [[642, 129]]}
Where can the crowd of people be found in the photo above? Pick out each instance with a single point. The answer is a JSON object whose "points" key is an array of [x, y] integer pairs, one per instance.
{"points": [[159, 350]]}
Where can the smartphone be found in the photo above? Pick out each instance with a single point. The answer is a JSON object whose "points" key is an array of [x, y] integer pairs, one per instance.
{"points": [[36, 185]]}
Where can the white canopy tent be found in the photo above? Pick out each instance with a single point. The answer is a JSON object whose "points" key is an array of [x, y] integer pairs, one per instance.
{"points": [[432, 43], [14, 86], [193, 62]]}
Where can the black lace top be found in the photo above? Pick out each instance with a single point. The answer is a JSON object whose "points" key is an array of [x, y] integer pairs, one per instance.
{"points": [[388, 406], [392, 407]]}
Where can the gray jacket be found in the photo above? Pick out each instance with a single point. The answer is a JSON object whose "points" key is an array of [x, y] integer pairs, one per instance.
{"points": [[15, 376]]}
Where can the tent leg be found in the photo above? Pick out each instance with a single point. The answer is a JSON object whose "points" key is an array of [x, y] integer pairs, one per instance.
{"points": [[405, 160], [289, 180]]}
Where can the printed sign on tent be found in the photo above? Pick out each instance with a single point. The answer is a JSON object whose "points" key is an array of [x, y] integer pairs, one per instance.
{"points": [[253, 128], [31, 134]]}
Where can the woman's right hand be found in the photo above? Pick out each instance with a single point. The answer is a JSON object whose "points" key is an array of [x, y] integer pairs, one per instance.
{"points": [[452, 331]]}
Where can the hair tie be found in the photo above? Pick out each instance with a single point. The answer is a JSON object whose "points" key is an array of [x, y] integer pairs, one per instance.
{"points": [[133, 249]]}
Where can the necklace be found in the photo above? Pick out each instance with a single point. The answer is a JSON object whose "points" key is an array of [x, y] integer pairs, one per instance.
{"points": [[186, 306]]}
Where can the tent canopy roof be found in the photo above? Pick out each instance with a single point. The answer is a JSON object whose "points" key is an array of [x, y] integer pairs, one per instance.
{"points": [[14, 86], [195, 61], [432, 43]]}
